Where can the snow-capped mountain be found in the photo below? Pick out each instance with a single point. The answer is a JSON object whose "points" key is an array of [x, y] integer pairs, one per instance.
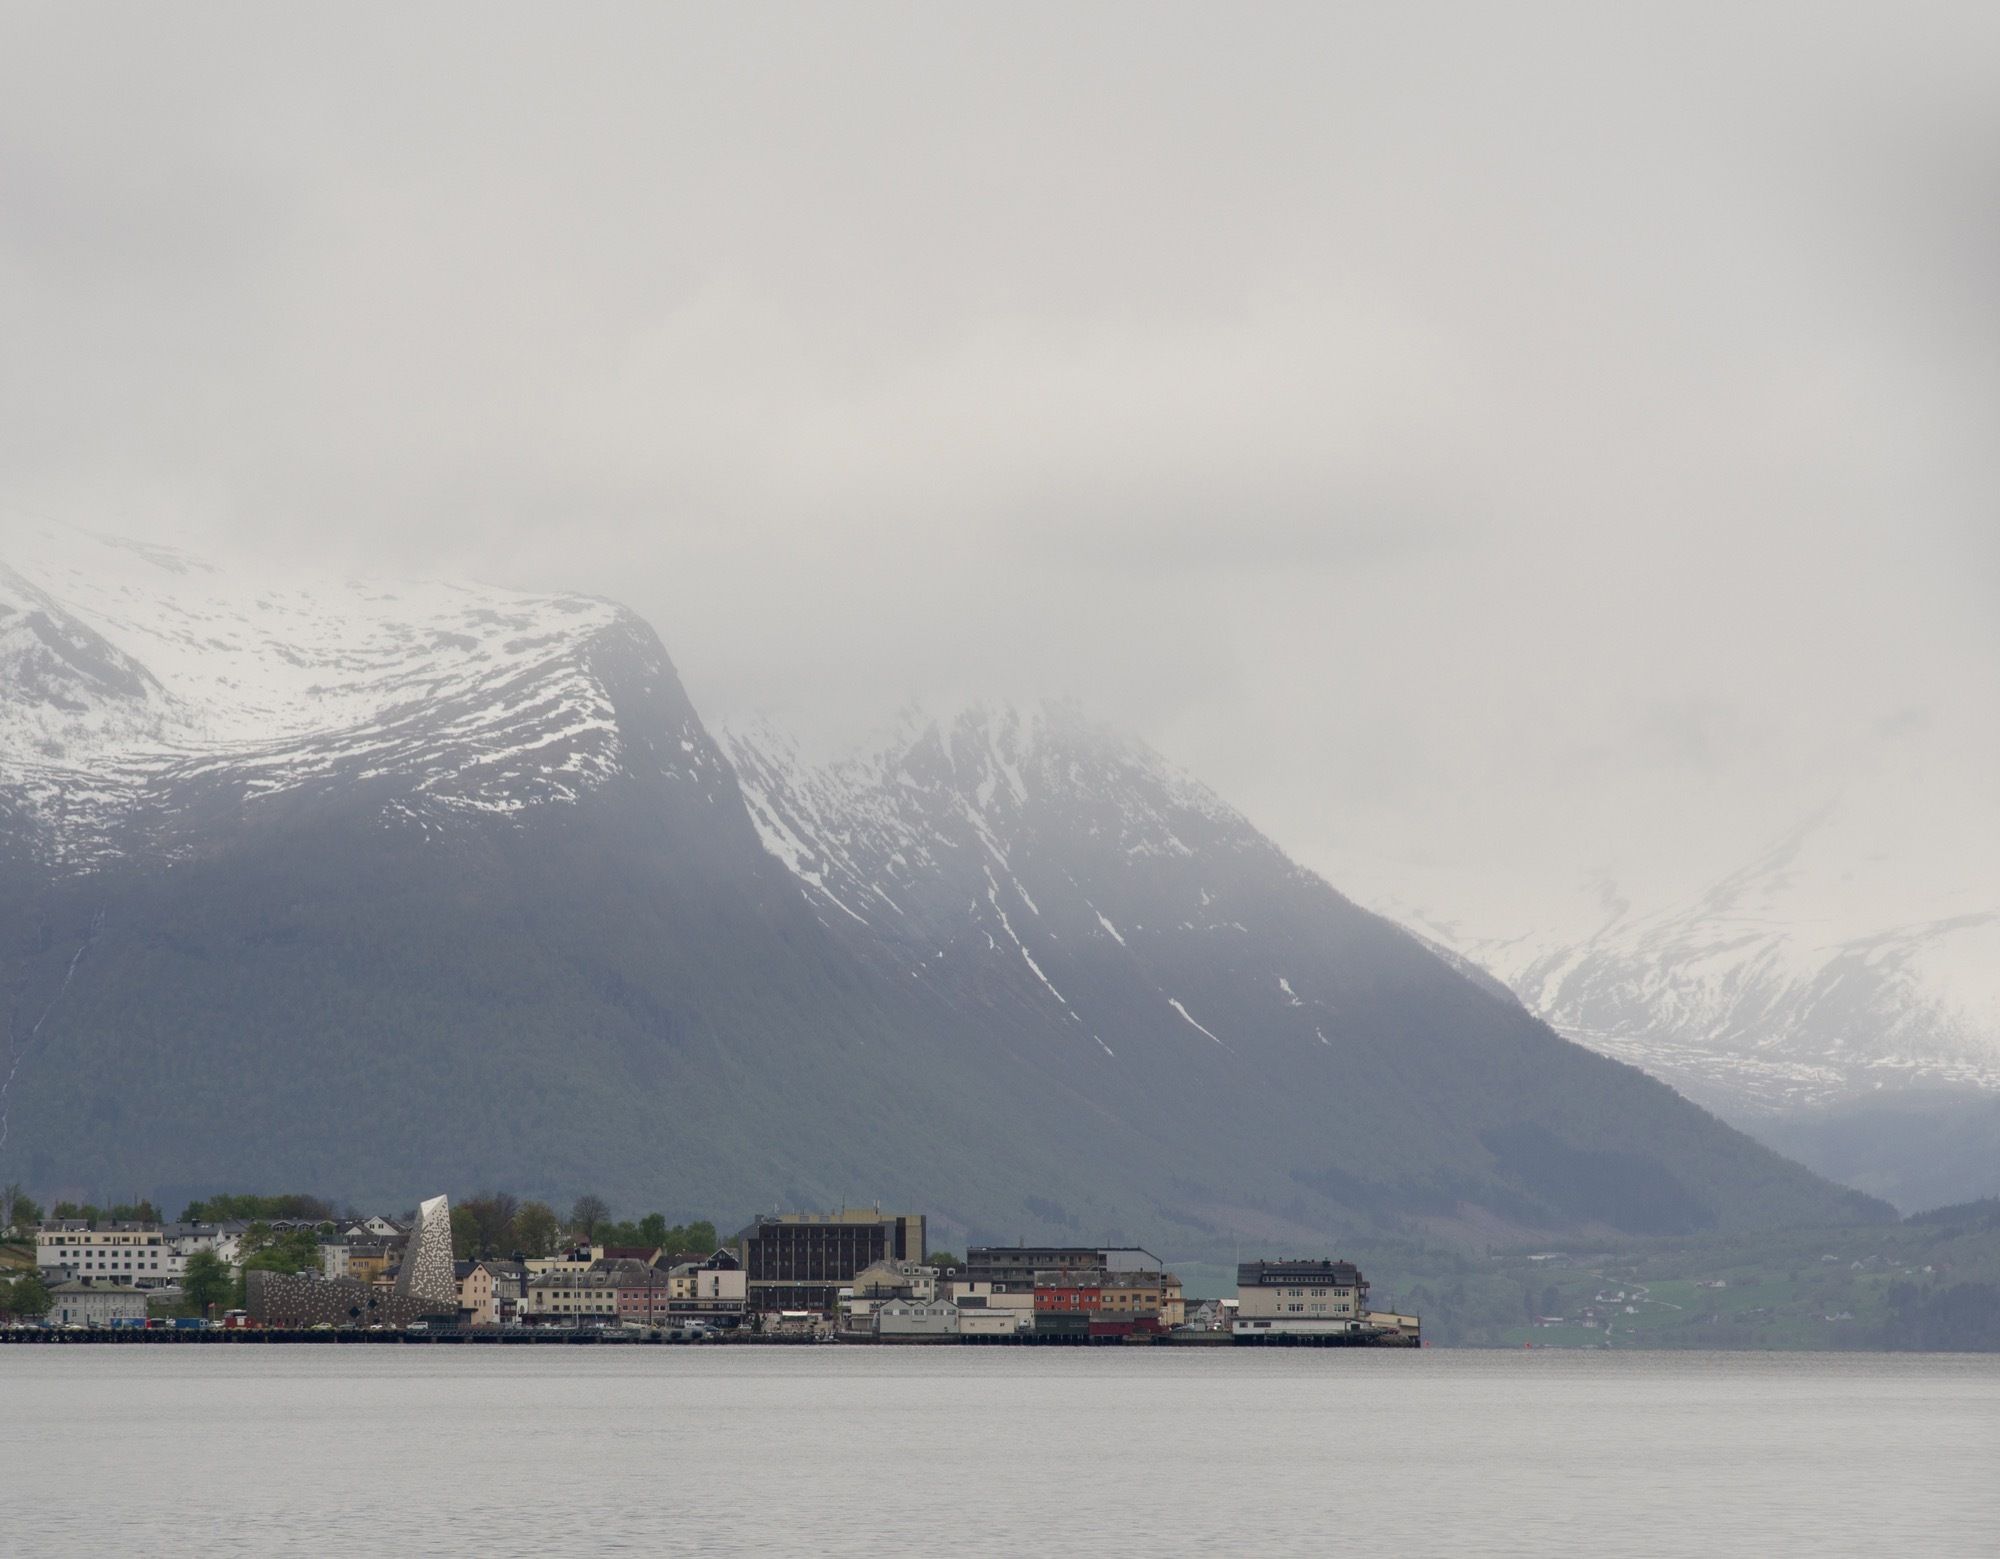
{"points": [[144, 680], [1820, 971], [362, 887]]}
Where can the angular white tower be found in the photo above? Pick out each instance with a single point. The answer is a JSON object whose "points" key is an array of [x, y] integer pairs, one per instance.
{"points": [[427, 1273]]}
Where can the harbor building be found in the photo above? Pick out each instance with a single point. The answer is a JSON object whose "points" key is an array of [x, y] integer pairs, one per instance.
{"points": [[1297, 1299]]}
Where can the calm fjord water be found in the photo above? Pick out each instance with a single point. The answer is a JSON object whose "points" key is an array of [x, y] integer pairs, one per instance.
{"points": [[747, 1450]]}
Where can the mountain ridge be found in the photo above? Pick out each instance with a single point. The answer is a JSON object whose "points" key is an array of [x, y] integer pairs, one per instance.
{"points": [[510, 916]]}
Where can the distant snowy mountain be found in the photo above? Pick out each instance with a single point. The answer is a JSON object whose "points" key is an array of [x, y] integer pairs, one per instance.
{"points": [[1837, 995], [145, 681], [1809, 976], [365, 888]]}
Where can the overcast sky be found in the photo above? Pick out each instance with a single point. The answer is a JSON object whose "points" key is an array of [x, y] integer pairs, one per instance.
{"points": [[1499, 437]]}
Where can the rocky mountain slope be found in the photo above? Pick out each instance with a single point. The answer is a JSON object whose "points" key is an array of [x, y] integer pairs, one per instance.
{"points": [[376, 889], [1040, 859]]}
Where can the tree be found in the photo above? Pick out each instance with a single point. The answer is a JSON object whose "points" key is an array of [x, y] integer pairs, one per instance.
{"points": [[700, 1235], [587, 1214], [216, 1208], [17, 1210], [942, 1259], [492, 1214], [653, 1229], [29, 1296], [267, 1250], [536, 1229], [208, 1281], [464, 1234]]}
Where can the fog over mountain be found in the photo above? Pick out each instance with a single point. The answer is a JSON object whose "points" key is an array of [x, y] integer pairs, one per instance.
{"points": [[1537, 466]]}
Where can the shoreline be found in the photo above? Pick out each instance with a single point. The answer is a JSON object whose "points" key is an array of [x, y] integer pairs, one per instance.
{"points": [[588, 1337]]}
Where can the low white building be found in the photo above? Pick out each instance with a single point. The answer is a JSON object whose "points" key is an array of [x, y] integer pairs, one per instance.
{"points": [[992, 1320], [916, 1318], [95, 1304]]}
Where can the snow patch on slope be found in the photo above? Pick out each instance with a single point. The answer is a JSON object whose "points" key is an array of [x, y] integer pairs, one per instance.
{"points": [[1174, 1002], [132, 669]]}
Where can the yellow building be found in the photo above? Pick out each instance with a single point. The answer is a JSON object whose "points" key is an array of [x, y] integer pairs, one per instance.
{"points": [[368, 1260]]}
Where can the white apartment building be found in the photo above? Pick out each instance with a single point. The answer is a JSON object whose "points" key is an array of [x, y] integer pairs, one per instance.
{"points": [[134, 1253]]}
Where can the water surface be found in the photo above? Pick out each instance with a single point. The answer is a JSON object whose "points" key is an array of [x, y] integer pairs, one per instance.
{"points": [[841, 1450]]}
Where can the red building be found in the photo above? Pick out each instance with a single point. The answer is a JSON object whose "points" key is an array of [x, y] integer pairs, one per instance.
{"points": [[1069, 1293], [1068, 1301]]}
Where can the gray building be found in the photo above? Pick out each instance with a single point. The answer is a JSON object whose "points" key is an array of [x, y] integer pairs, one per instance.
{"points": [[1011, 1269], [801, 1261]]}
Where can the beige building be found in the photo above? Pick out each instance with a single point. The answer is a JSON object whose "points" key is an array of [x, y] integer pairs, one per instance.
{"points": [[573, 1296], [981, 1293], [581, 1259], [721, 1287], [1299, 1298], [897, 1280], [880, 1282], [1397, 1327], [490, 1292], [713, 1290]]}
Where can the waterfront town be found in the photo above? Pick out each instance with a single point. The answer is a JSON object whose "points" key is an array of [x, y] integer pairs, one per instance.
{"points": [[855, 1275]]}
